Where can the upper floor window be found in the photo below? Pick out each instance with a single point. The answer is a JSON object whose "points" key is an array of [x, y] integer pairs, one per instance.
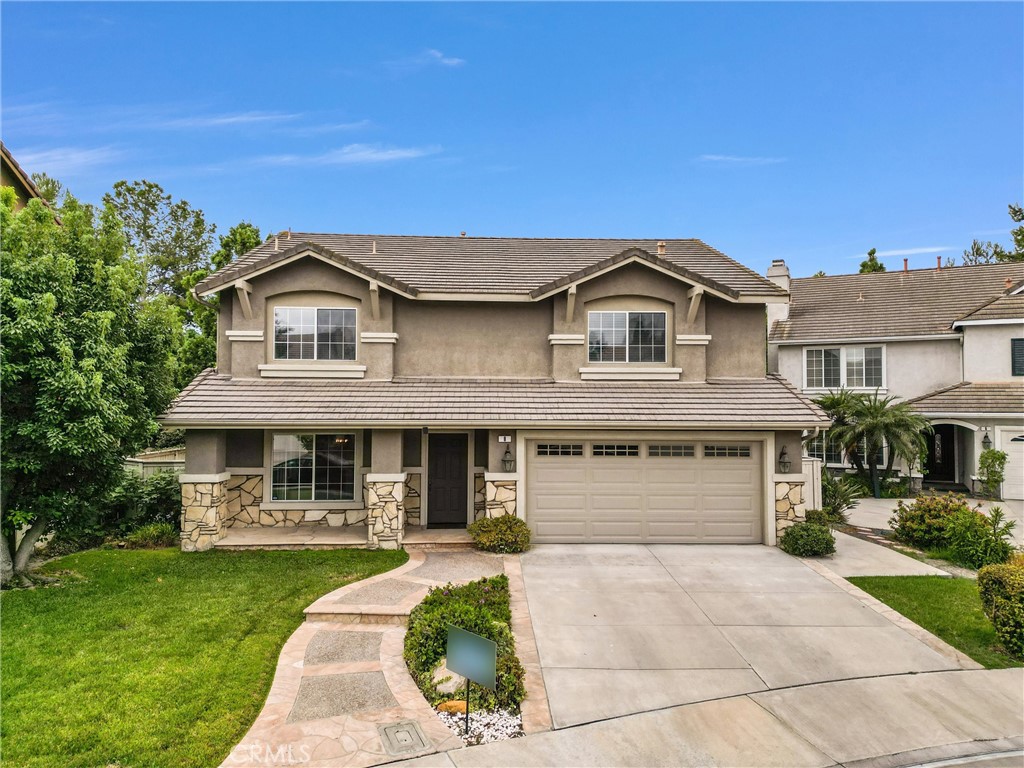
{"points": [[853, 367], [627, 337], [308, 333], [1017, 357]]}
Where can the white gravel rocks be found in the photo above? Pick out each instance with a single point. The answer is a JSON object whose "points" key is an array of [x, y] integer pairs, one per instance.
{"points": [[484, 727]]}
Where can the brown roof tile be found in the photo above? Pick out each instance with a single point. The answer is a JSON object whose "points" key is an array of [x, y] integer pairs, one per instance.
{"points": [[890, 304], [970, 397], [213, 399], [488, 265]]}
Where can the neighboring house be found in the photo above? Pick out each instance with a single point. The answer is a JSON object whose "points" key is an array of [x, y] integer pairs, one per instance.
{"points": [[603, 390], [12, 175], [951, 340]]}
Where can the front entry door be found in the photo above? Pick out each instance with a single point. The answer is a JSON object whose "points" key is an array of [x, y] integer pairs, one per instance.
{"points": [[447, 481], [941, 456]]}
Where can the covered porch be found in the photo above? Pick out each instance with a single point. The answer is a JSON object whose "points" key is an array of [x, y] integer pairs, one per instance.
{"points": [[327, 537]]}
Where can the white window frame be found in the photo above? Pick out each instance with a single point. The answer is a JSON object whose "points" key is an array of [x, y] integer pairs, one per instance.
{"points": [[843, 355], [627, 313], [268, 472], [316, 358], [845, 463]]}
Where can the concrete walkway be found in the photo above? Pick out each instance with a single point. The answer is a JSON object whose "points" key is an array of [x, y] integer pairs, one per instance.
{"points": [[342, 695], [875, 513], [857, 557]]}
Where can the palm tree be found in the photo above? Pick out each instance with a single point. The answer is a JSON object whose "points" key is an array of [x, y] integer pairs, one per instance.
{"points": [[839, 405], [878, 421]]}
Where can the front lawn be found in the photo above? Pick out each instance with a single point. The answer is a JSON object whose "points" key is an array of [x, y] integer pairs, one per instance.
{"points": [[154, 658], [948, 608]]}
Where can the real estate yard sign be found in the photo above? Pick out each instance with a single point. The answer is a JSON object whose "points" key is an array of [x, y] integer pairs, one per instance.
{"points": [[473, 657]]}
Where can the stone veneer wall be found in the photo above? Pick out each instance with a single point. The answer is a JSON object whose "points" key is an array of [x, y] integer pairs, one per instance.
{"points": [[245, 494], [479, 496], [203, 508], [789, 505], [412, 499], [501, 497], [385, 524]]}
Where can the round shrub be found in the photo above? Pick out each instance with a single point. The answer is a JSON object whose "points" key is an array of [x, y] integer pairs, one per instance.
{"points": [[818, 517], [1002, 597], [923, 523], [506, 534], [807, 540]]}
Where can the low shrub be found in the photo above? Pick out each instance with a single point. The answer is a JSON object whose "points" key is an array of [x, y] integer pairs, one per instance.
{"points": [[807, 540], [977, 540], [992, 470], [506, 534], [481, 607], [818, 517], [896, 488], [1002, 597], [152, 536], [924, 521], [838, 496]]}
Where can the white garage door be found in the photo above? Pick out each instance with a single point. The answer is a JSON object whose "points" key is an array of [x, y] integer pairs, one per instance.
{"points": [[614, 490], [1013, 479]]}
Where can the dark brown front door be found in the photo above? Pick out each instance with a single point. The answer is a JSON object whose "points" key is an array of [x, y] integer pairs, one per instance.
{"points": [[447, 481], [941, 456]]}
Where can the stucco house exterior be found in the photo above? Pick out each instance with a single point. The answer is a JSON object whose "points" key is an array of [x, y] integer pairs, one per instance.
{"points": [[603, 390], [949, 339]]}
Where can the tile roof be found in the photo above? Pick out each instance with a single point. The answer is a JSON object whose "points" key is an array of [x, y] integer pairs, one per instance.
{"points": [[488, 265], [1001, 308], [214, 399], [970, 397], [890, 304]]}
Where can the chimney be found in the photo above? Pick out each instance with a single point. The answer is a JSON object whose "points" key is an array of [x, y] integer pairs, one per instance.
{"points": [[661, 247], [288, 236], [938, 263], [374, 246], [276, 245], [778, 273], [1008, 283], [462, 234], [906, 265]]}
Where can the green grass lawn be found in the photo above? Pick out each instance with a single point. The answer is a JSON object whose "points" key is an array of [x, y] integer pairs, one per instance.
{"points": [[154, 658], [948, 608]]}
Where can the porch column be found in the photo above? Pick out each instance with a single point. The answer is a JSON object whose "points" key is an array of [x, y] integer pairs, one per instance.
{"points": [[203, 493], [385, 510], [789, 501]]}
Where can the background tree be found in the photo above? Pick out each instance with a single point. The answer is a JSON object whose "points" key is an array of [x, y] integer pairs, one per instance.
{"points": [[85, 365], [992, 253], [171, 237], [48, 187], [871, 264]]}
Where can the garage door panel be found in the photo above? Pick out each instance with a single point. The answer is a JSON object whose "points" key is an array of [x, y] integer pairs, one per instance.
{"points": [[662, 498]]}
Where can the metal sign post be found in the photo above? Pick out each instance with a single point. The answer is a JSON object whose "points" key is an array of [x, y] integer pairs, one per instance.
{"points": [[474, 657]]}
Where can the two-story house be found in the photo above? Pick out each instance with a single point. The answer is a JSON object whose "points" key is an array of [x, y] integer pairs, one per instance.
{"points": [[603, 390], [949, 339]]}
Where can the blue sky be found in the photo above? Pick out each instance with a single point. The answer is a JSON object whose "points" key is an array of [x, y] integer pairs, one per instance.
{"points": [[809, 132]]}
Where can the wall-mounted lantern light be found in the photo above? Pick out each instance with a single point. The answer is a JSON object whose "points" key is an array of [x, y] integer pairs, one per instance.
{"points": [[784, 463], [507, 462], [986, 441]]}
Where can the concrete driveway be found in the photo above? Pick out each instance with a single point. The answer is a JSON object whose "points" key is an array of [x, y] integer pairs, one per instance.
{"points": [[623, 629]]}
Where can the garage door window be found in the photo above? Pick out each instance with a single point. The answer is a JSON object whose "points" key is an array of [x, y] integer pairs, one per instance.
{"points": [[726, 451], [672, 450], [616, 449], [559, 449]]}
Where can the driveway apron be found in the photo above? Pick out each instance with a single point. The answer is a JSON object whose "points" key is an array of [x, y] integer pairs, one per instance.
{"points": [[623, 629]]}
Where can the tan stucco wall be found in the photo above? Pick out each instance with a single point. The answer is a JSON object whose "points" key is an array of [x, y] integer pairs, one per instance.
{"points": [[987, 352], [465, 339], [738, 339], [386, 454], [913, 368], [496, 450], [794, 450], [224, 323], [205, 451]]}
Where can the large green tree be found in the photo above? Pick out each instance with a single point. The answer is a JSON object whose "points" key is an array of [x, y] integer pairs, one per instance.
{"points": [[992, 253], [85, 365]]}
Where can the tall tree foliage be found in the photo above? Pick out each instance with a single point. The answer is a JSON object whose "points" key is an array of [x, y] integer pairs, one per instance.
{"points": [[85, 365], [871, 264], [992, 253]]}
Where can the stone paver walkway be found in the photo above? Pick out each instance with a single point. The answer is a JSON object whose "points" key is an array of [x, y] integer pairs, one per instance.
{"points": [[341, 679]]}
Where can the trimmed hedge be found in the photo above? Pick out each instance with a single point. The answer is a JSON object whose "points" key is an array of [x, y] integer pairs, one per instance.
{"points": [[1002, 597], [807, 540], [481, 607], [506, 534]]}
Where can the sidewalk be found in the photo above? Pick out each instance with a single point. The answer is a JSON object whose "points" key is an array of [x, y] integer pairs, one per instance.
{"points": [[857, 557]]}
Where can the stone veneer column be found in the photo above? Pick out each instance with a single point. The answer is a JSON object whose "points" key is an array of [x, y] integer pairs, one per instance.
{"points": [[385, 511], [500, 493], [789, 502], [203, 510]]}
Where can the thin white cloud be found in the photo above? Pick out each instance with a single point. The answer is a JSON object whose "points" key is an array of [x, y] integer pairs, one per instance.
{"points": [[430, 57], [906, 251], [353, 154], [225, 120], [317, 130], [738, 160], [66, 161]]}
